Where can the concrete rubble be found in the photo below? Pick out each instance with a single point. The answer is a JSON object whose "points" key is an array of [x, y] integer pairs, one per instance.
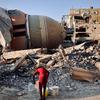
{"points": [[62, 64]]}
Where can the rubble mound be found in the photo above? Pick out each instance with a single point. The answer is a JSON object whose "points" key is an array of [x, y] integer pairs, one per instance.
{"points": [[81, 56]]}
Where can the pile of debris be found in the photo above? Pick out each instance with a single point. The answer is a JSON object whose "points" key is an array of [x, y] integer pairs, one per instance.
{"points": [[81, 62]]}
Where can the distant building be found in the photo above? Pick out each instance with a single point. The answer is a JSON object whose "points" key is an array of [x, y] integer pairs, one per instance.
{"points": [[82, 24]]}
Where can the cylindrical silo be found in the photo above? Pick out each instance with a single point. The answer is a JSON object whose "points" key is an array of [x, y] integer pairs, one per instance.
{"points": [[34, 31], [45, 32]]}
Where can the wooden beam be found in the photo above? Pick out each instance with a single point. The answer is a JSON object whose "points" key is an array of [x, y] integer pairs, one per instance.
{"points": [[19, 53]]}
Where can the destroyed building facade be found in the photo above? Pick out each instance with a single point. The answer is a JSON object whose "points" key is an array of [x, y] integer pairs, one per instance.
{"points": [[82, 24]]}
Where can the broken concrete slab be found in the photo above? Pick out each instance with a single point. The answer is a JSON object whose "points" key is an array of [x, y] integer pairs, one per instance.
{"points": [[83, 75], [97, 64], [19, 53]]}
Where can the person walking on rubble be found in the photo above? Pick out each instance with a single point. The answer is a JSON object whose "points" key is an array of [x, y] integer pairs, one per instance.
{"points": [[43, 75]]}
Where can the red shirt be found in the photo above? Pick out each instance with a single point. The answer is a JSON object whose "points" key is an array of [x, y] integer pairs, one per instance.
{"points": [[43, 75]]}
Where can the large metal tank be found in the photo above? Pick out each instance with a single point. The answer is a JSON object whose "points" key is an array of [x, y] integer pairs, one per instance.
{"points": [[34, 31], [45, 32]]}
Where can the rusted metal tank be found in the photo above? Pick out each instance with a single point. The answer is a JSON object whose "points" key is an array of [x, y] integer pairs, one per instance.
{"points": [[45, 32], [38, 31]]}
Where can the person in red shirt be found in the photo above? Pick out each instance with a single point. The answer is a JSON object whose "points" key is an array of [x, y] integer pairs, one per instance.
{"points": [[43, 75]]}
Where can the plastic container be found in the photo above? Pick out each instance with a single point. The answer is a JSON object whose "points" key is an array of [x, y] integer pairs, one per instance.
{"points": [[30, 87], [46, 92], [54, 90]]}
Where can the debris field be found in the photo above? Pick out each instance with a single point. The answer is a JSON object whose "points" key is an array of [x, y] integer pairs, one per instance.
{"points": [[75, 70]]}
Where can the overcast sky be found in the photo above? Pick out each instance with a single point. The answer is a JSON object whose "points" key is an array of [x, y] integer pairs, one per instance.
{"points": [[52, 8]]}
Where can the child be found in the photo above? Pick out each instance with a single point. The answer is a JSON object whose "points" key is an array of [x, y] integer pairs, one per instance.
{"points": [[43, 75]]}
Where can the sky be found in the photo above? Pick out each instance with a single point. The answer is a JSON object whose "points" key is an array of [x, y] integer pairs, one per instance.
{"points": [[51, 8]]}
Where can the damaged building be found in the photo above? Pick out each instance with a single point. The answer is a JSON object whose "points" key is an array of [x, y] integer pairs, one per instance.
{"points": [[82, 24]]}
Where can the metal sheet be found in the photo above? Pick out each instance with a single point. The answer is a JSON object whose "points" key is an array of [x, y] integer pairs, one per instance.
{"points": [[19, 43], [55, 33], [35, 31]]}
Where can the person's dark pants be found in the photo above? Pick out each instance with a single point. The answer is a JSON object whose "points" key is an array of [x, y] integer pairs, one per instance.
{"points": [[42, 93]]}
